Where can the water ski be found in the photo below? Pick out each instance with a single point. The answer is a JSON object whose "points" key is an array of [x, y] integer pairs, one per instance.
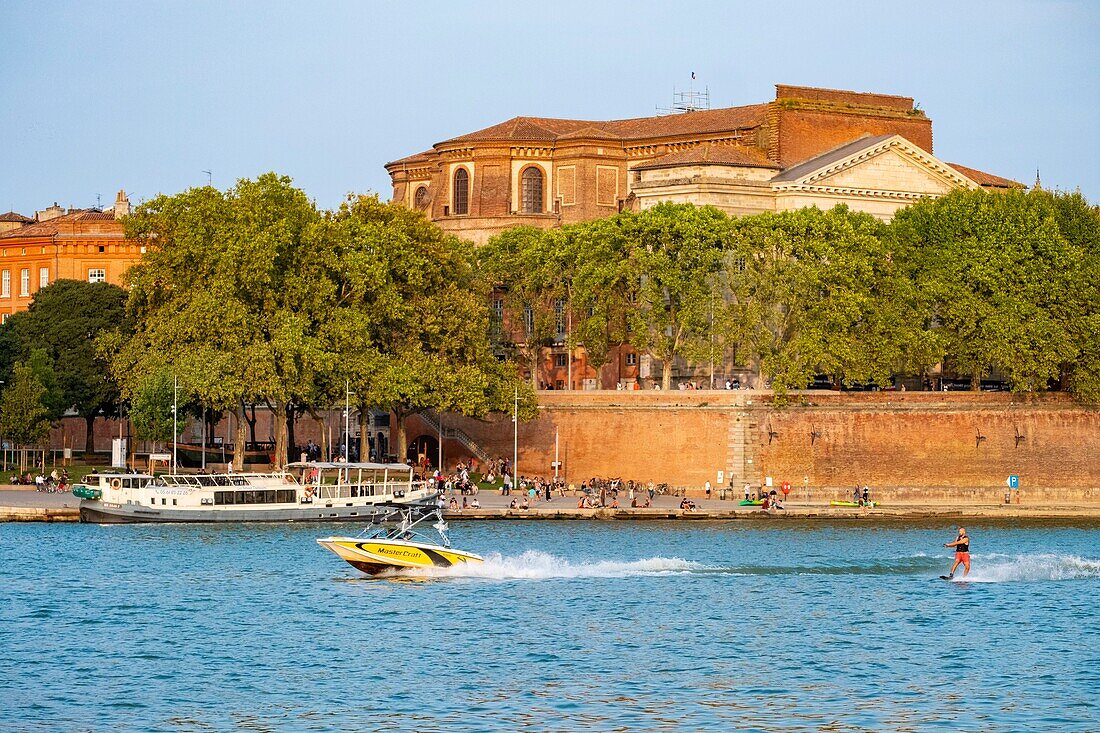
{"points": [[945, 577]]}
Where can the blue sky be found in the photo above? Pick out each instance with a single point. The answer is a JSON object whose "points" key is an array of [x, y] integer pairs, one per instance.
{"points": [[147, 95]]}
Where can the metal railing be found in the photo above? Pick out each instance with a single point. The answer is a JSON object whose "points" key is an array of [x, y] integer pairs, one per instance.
{"points": [[455, 434]]}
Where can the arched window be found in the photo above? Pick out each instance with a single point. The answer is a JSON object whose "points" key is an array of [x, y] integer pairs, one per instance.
{"points": [[461, 193], [531, 191], [420, 200]]}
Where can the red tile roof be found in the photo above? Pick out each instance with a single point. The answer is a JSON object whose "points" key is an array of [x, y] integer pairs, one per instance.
{"points": [[423, 157], [546, 129], [12, 216], [709, 154], [986, 179], [70, 223]]}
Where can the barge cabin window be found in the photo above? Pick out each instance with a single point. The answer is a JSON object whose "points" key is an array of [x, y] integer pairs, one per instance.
{"points": [[260, 496]]}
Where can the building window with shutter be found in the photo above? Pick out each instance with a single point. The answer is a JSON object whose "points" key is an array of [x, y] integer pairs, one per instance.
{"points": [[5, 284], [421, 200], [43, 276], [97, 275], [461, 193], [531, 190], [24, 282]]}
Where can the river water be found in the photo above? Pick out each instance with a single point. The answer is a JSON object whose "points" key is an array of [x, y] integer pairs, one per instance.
{"points": [[662, 626]]}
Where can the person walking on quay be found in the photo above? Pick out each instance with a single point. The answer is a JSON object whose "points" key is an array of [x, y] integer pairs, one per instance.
{"points": [[962, 553]]}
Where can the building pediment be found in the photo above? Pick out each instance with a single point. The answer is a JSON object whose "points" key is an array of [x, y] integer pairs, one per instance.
{"points": [[885, 165]]}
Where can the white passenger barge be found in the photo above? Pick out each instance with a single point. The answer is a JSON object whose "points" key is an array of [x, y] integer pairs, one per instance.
{"points": [[300, 492]]}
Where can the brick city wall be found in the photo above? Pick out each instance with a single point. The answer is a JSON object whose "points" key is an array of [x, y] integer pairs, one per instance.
{"points": [[921, 445]]}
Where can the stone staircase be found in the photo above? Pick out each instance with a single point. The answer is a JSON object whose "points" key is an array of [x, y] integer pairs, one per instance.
{"points": [[432, 419], [740, 453]]}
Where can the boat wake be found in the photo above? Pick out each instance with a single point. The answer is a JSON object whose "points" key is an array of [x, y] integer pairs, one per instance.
{"points": [[987, 568], [537, 565], [1001, 568]]}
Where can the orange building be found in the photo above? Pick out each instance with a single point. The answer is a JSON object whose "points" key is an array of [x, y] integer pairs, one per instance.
{"points": [[77, 244]]}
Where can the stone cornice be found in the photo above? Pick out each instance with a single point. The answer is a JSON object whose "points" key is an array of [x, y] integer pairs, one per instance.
{"points": [[897, 143]]}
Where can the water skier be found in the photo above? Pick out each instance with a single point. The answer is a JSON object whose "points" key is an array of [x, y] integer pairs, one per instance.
{"points": [[962, 553]]}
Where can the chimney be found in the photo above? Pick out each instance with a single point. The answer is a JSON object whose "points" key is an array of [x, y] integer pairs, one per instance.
{"points": [[122, 205], [51, 213]]}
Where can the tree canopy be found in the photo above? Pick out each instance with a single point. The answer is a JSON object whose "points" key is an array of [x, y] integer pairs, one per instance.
{"points": [[253, 295], [57, 335], [977, 282]]}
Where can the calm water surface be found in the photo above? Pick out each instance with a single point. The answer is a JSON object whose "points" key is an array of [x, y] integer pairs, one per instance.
{"points": [[569, 626]]}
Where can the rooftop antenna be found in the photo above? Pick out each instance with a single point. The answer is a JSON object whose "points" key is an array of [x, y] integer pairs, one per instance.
{"points": [[209, 177], [98, 204], [691, 100]]}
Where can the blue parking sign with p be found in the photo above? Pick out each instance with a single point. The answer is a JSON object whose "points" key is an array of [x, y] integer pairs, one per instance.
{"points": [[1013, 481]]}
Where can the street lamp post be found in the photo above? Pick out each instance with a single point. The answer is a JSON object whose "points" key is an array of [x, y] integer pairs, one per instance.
{"points": [[347, 420], [515, 439], [175, 423]]}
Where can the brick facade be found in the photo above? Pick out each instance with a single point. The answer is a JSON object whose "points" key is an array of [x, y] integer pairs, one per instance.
{"points": [[78, 244], [592, 169]]}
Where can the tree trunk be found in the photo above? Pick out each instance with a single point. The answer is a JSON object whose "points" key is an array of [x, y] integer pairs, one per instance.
{"points": [[535, 370], [251, 423], [975, 382], [279, 418], [399, 447], [322, 427], [364, 433], [291, 441], [89, 441], [666, 374], [240, 439]]}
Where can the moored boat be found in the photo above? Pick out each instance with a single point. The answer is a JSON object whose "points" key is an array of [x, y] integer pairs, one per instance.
{"points": [[399, 541], [300, 492]]}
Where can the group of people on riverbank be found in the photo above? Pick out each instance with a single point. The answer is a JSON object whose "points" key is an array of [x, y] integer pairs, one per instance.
{"points": [[53, 482]]}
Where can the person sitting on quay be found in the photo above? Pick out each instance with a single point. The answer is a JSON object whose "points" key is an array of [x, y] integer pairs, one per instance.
{"points": [[475, 504], [615, 502], [465, 505], [687, 505], [524, 505], [764, 505], [514, 504], [454, 504]]}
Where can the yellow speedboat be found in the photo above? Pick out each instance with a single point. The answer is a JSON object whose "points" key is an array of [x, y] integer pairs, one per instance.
{"points": [[398, 541]]}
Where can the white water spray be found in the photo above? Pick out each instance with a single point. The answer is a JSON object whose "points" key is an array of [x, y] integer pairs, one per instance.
{"points": [[1001, 568], [536, 565]]}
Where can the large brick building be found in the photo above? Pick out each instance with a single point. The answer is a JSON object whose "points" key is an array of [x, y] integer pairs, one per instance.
{"points": [[806, 147], [73, 244]]}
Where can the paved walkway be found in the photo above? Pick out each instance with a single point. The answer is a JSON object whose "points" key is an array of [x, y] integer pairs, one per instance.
{"points": [[20, 504]]}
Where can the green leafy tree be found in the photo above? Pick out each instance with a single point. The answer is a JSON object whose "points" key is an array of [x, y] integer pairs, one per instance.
{"points": [[24, 417], [817, 292], [63, 322], [151, 408], [997, 276], [230, 295], [677, 252], [528, 274], [604, 281], [412, 331]]}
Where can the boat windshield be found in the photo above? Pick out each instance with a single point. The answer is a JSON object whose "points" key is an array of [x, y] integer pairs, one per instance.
{"points": [[411, 524]]}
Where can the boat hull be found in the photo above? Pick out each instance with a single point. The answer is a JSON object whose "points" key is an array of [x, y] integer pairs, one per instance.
{"points": [[95, 512], [374, 556]]}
